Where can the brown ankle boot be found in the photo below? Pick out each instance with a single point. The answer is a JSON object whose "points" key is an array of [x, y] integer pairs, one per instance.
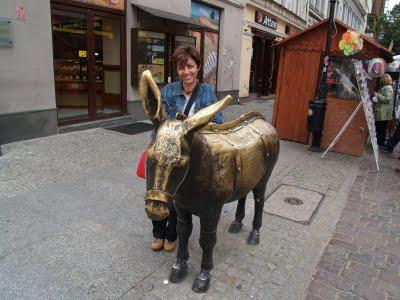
{"points": [[157, 244], [169, 246]]}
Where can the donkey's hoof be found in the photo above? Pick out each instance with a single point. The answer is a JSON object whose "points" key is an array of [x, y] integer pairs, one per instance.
{"points": [[235, 227], [254, 237], [202, 282], [178, 272]]}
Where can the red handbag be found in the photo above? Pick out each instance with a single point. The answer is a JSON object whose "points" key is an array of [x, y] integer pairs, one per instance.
{"points": [[141, 168]]}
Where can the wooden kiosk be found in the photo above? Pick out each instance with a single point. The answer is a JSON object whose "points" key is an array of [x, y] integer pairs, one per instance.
{"points": [[299, 71]]}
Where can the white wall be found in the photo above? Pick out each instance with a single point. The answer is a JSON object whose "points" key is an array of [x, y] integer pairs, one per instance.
{"points": [[230, 45], [26, 69]]}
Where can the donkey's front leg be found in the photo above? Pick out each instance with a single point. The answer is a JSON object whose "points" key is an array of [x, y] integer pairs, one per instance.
{"points": [[208, 239], [184, 229]]}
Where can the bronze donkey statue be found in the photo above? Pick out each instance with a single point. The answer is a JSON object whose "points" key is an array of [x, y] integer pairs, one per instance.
{"points": [[200, 167]]}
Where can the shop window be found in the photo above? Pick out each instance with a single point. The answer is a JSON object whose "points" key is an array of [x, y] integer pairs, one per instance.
{"points": [[341, 80], [151, 54]]}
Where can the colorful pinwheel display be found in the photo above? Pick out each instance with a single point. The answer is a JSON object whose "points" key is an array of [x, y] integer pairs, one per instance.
{"points": [[351, 43]]}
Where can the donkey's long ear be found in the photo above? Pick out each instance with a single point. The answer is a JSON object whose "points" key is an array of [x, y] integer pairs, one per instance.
{"points": [[151, 98], [205, 115]]}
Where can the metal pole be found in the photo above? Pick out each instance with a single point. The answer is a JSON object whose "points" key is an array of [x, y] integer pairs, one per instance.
{"points": [[323, 86], [321, 100]]}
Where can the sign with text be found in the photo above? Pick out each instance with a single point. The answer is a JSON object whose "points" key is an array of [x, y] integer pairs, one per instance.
{"points": [[116, 4], [20, 10], [266, 20]]}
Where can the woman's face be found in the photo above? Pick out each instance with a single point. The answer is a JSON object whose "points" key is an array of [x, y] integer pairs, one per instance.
{"points": [[188, 72]]}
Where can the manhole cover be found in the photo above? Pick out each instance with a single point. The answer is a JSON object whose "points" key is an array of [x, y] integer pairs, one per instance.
{"points": [[293, 203]]}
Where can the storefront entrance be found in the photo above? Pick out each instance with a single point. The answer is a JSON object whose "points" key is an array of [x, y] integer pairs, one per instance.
{"points": [[88, 64], [158, 34], [263, 66]]}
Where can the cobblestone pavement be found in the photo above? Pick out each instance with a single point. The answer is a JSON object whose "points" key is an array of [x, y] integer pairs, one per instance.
{"points": [[362, 260], [72, 223]]}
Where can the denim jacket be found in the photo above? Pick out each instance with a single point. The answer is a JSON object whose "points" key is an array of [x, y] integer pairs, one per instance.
{"points": [[174, 99]]}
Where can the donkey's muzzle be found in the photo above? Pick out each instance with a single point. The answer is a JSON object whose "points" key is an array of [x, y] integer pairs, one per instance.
{"points": [[157, 204]]}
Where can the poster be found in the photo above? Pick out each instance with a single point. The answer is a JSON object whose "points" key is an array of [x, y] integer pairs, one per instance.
{"points": [[151, 54], [210, 58], [207, 16]]}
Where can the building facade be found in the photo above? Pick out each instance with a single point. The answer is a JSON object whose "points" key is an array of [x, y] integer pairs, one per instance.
{"points": [[353, 13], [318, 10], [65, 62], [265, 23]]}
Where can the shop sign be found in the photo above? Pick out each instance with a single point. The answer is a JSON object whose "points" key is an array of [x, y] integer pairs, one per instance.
{"points": [[20, 10], [207, 16], [266, 20], [116, 4], [276, 9], [80, 28]]}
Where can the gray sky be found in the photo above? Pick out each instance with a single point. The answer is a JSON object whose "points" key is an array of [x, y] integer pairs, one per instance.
{"points": [[391, 3]]}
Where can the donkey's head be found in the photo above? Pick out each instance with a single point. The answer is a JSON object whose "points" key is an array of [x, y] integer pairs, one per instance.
{"points": [[169, 153]]}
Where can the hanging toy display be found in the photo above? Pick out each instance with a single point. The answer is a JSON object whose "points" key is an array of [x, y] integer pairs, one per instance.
{"points": [[376, 67], [351, 43]]}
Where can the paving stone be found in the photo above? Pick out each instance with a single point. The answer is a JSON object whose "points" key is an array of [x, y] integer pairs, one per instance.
{"points": [[348, 296], [392, 289], [361, 278], [322, 290], [338, 282], [368, 293], [363, 269], [361, 258], [389, 277]]}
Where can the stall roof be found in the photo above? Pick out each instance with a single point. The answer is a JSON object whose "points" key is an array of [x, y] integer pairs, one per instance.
{"points": [[169, 16], [338, 23]]}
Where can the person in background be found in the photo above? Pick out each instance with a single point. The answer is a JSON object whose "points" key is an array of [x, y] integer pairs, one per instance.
{"points": [[176, 97], [395, 138], [383, 107]]}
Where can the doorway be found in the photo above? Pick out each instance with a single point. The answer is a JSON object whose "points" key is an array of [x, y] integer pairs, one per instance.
{"points": [[262, 66], [88, 66]]}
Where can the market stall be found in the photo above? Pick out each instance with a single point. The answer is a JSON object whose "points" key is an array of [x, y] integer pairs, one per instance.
{"points": [[298, 79]]}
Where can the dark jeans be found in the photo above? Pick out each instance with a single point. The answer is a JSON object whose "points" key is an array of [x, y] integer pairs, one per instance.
{"points": [[166, 229], [381, 132], [395, 138]]}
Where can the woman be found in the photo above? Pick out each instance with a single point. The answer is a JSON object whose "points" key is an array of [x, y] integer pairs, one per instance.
{"points": [[383, 108], [184, 97]]}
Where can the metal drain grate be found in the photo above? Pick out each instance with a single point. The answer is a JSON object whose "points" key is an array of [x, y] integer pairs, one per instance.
{"points": [[293, 203]]}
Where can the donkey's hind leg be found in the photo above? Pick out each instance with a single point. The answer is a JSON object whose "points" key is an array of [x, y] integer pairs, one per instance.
{"points": [[237, 224], [259, 199]]}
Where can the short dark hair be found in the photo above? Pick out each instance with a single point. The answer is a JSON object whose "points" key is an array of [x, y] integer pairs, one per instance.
{"points": [[183, 53]]}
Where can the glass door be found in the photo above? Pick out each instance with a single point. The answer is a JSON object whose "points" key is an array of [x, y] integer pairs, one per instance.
{"points": [[87, 64], [70, 50], [107, 65]]}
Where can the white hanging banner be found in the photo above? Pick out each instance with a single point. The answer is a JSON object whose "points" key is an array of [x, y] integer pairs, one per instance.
{"points": [[367, 105]]}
